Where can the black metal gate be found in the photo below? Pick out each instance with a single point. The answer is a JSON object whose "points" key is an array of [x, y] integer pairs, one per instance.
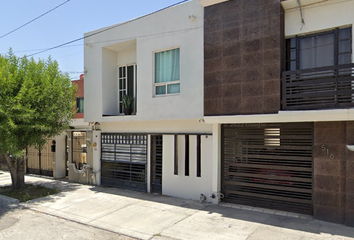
{"points": [[268, 165], [156, 164], [123, 161]]}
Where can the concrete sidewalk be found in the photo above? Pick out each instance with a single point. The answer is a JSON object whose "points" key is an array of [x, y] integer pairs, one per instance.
{"points": [[149, 216]]}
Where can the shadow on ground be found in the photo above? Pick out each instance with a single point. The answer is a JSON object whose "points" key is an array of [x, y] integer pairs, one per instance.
{"points": [[6, 204], [309, 225]]}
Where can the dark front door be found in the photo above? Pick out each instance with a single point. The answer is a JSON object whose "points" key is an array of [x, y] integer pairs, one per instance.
{"points": [[156, 164]]}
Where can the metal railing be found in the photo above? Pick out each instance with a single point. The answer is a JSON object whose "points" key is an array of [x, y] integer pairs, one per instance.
{"points": [[318, 88]]}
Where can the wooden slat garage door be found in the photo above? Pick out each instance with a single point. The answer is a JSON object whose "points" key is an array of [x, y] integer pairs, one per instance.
{"points": [[268, 165]]}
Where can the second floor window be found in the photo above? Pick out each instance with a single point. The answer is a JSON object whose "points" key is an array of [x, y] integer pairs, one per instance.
{"points": [[80, 105], [319, 50], [167, 72]]}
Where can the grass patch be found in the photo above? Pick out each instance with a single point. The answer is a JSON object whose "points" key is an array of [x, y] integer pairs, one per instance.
{"points": [[30, 192]]}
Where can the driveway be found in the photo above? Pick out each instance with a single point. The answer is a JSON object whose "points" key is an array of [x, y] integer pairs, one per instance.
{"points": [[149, 216]]}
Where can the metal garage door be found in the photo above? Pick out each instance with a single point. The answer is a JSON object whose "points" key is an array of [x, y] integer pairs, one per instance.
{"points": [[268, 165], [123, 161]]}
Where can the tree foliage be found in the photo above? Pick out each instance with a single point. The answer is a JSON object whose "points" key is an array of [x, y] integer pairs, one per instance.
{"points": [[36, 103]]}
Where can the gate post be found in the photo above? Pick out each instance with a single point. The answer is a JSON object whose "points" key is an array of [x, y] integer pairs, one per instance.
{"points": [[59, 160], [96, 157], [216, 164]]}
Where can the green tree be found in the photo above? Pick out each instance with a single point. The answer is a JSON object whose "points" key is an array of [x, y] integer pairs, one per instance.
{"points": [[36, 103]]}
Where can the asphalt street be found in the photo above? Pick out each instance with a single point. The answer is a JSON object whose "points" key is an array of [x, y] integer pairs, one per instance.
{"points": [[27, 224]]}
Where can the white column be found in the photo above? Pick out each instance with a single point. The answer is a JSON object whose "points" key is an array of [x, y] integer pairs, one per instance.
{"points": [[59, 164], [216, 163], [96, 157]]}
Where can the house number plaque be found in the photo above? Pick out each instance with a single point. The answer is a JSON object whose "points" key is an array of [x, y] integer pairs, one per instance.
{"points": [[327, 151]]}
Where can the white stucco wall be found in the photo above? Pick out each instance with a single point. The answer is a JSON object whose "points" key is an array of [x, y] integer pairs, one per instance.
{"points": [[126, 57], [318, 17], [170, 126], [109, 83], [166, 29], [188, 187]]}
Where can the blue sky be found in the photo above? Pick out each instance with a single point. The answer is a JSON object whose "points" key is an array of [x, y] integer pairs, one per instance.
{"points": [[64, 24]]}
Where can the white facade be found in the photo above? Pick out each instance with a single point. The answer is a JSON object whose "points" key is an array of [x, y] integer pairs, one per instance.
{"points": [[319, 16], [135, 42]]}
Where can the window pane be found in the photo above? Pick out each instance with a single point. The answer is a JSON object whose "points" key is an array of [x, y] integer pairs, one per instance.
{"points": [[81, 105], [130, 79], [123, 71], [325, 50], [344, 33], [307, 53], [317, 51], [292, 65], [167, 66], [293, 42], [344, 46], [344, 58], [173, 88], [324, 56], [160, 90], [292, 54]]}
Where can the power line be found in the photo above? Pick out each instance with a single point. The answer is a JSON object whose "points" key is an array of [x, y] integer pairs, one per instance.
{"points": [[34, 19], [105, 29]]}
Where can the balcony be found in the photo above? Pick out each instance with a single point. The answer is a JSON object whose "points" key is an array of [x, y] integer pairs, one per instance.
{"points": [[318, 88]]}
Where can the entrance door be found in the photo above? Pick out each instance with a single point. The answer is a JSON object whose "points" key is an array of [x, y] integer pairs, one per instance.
{"points": [[156, 164], [268, 165]]}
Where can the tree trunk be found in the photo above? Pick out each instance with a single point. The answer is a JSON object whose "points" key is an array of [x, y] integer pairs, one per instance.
{"points": [[17, 171]]}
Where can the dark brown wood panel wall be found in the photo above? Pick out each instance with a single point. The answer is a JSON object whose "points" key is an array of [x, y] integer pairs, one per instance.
{"points": [[333, 189], [243, 49]]}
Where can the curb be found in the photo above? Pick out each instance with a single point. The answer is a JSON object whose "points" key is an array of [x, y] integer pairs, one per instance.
{"points": [[8, 200]]}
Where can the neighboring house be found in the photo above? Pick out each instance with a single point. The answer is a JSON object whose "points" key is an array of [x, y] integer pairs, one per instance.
{"points": [[79, 107], [278, 89], [71, 158], [241, 101]]}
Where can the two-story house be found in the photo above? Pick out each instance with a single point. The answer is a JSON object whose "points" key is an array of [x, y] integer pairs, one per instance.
{"points": [[156, 61], [278, 89], [247, 102], [68, 155]]}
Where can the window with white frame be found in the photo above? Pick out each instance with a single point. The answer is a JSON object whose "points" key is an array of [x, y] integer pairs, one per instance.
{"points": [[167, 72], [127, 85]]}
